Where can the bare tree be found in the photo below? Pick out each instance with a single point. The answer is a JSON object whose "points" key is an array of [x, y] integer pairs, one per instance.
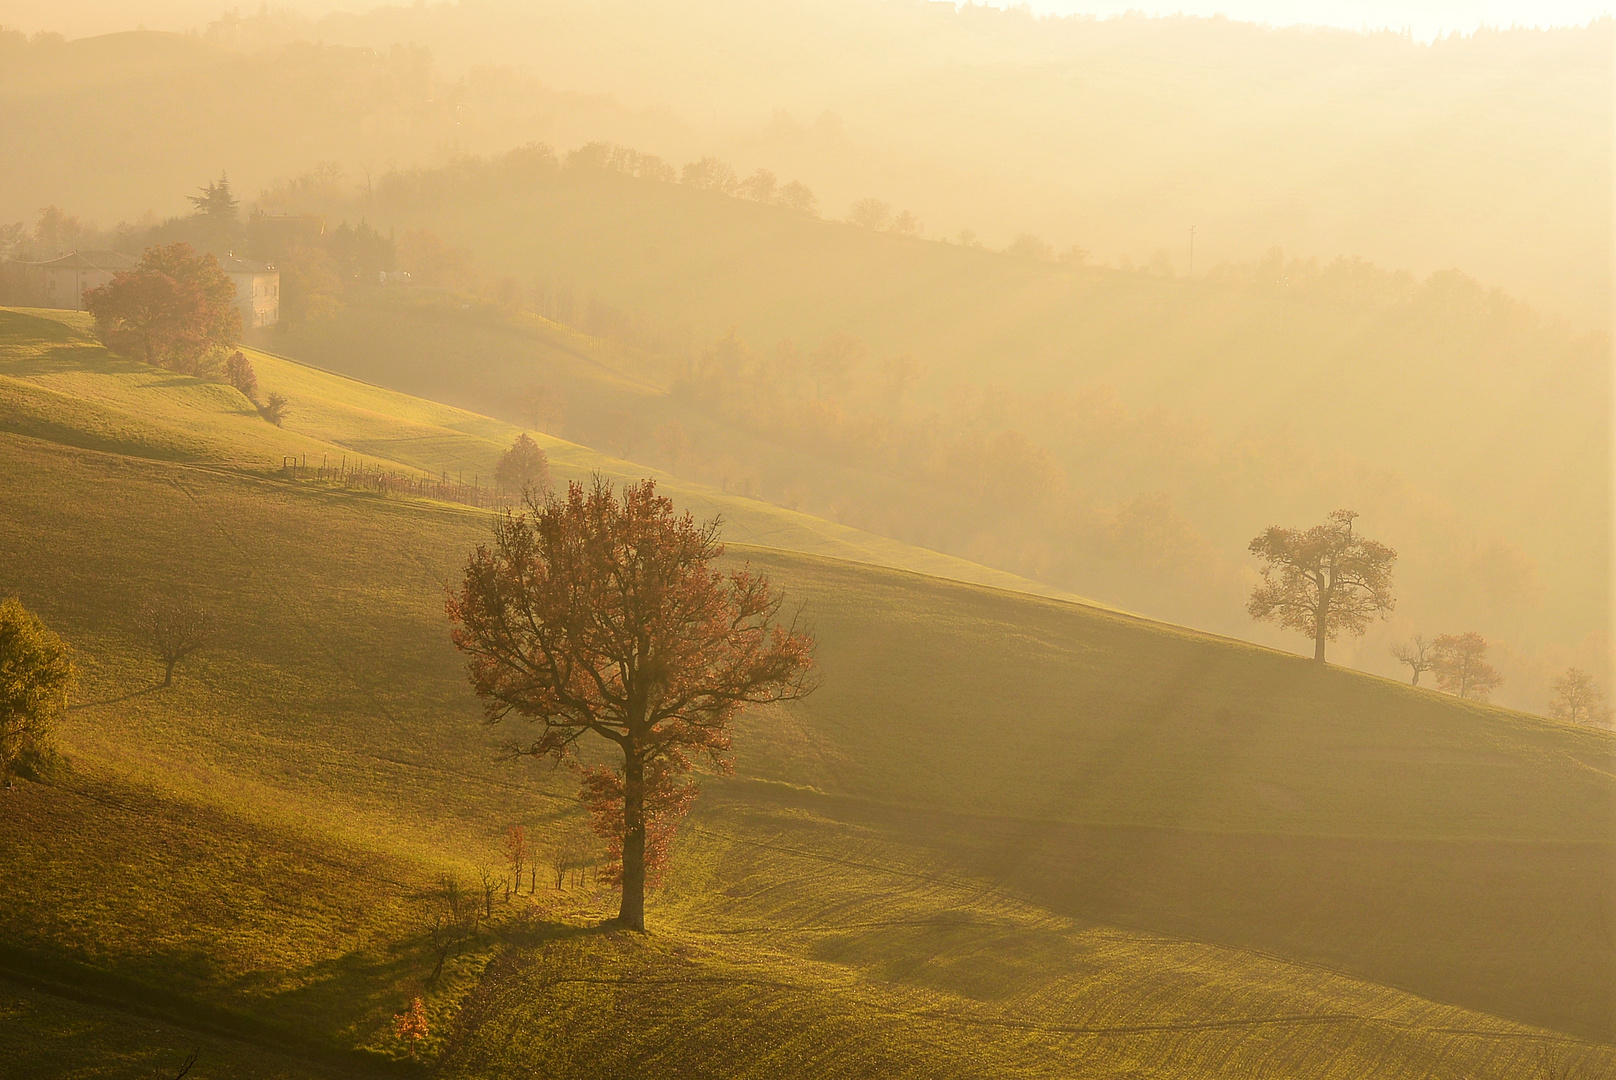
{"points": [[451, 920], [175, 630], [870, 214], [491, 883], [573, 852], [1578, 698], [1418, 654]]}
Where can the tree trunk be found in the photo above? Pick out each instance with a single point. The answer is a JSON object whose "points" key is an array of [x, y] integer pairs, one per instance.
{"points": [[1318, 641], [632, 912], [168, 672], [1416, 680]]}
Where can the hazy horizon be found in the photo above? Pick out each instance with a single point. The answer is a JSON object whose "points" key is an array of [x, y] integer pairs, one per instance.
{"points": [[1424, 21]]}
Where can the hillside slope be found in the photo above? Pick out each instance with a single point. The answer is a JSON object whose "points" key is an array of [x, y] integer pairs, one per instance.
{"points": [[1010, 836]]}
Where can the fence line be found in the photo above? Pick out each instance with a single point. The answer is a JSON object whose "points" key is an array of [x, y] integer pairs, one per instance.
{"points": [[372, 478]]}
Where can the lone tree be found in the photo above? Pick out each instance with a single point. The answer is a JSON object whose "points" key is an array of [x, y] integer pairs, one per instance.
{"points": [[1461, 667], [594, 614], [522, 468], [1322, 581], [1578, 698], [36, 672], [175, 309], [1418, 654], [175, 630]]}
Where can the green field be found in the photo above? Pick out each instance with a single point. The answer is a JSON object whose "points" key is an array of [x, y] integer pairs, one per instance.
{"points": [[1012, 835]]}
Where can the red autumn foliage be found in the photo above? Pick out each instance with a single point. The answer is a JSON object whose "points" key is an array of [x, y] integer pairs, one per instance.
{"points": [[592, 613], [176, 309]]}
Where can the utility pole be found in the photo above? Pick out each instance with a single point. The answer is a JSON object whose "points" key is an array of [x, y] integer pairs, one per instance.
{"points": [[1193, 230]]}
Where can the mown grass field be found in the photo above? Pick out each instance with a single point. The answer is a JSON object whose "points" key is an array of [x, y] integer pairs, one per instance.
{"points": [[1010, 836]]}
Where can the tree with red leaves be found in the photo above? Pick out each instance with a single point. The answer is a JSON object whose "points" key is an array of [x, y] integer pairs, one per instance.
{"points": [[591, 613], [176, 309]]}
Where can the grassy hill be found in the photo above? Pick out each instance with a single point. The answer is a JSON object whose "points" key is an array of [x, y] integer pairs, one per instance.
{"points": [[1012, 835]]}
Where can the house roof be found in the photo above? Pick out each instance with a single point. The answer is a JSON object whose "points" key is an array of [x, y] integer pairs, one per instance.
{"points": [[90, 260], [232, 265]]}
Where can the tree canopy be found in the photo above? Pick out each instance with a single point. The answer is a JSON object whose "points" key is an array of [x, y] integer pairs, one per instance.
{"points": [[1461, 667], [175, 309], [1578, 698], [597, 614], [1322, 581], [36, 672], [523, 468]]}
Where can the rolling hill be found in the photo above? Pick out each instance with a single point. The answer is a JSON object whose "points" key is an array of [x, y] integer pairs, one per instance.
{"points": [[1012, 835]]}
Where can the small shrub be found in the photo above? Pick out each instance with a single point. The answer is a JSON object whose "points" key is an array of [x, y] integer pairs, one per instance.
{"points": [[411, 1027], [275, 409]]}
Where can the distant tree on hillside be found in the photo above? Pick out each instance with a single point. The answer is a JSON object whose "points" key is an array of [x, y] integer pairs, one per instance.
{"points": [[36, 673], [710, 174], [523, 468], [175, 309], [760, 186], [1418, 654], [1028, 246], [796, 196], [238, 372], [1578, 698], [1322, 581], [870, 214], [1461, 667], [216, 202], [906, 224], [57, 231], [174, 630], [594, 613]]}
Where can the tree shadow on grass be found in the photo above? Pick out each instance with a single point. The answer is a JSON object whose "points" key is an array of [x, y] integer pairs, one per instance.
{"points": [[131, 695]]}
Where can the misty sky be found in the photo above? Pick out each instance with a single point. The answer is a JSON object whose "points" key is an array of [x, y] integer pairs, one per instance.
{"points": [[1426, 18]]}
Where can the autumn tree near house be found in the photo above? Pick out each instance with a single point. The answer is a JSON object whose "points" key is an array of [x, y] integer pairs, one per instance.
{"points": [[1461, 667], [522, 468], [1417, 653], [36, 673], [175, 309], [238, 372], [599, 614], [1578, 698], [174, 630], [1322, 581]]}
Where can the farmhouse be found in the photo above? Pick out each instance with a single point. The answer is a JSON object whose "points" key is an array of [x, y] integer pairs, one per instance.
{"points": [[62, 282], [258, 290]]}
